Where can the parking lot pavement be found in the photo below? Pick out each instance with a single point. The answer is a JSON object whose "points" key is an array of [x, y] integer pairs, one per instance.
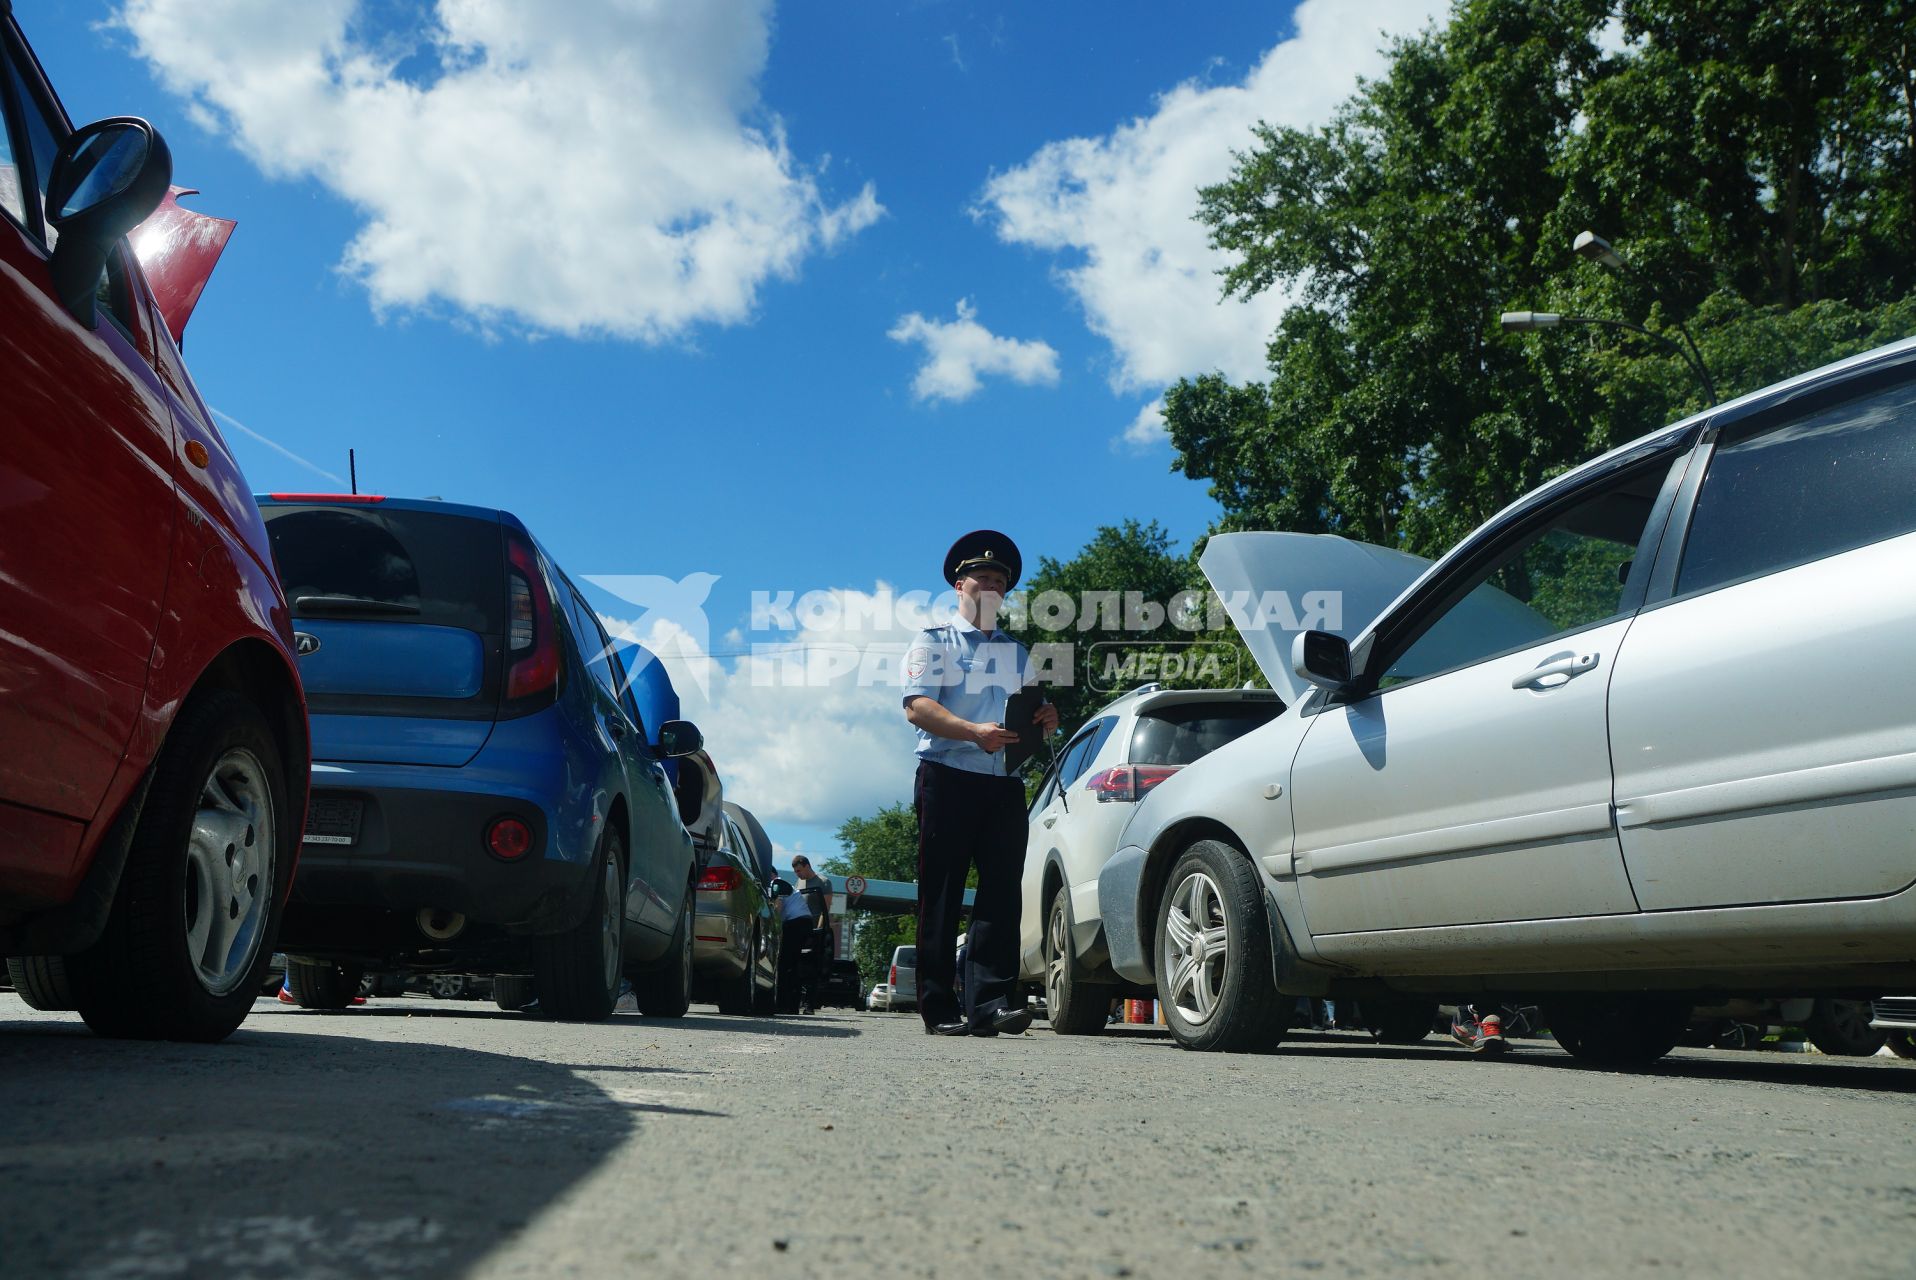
{"points": [[424, 1138]]}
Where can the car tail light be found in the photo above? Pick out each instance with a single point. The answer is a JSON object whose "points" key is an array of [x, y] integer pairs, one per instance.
{"points": [[532, 643], [894, 977], [721, 878], [1128, 783], [509, 838]]}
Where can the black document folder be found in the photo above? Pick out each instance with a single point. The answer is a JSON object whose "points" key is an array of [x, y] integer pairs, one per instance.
{"points": [[1021, 711]]}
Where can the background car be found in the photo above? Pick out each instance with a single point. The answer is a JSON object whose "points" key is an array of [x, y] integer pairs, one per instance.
{"points": [[878, 1000], [1113, 761], [844, 987], [153, 749], [1598, 754], [734, 932], [485, 795], [904, 977]]}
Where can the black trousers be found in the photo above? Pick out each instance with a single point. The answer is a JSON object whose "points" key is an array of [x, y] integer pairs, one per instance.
{"points": [[799, 978], [965, 820]]}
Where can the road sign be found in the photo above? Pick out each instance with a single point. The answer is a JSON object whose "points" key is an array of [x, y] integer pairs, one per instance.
{"points": [[854, 887]]}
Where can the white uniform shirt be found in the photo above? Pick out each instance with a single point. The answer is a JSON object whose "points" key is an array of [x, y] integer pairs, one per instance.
{"points": [[972, 675]]}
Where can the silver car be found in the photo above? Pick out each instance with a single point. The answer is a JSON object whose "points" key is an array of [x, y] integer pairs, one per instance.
{"points": [[1641, 741], [734, 936], [904, 977]]}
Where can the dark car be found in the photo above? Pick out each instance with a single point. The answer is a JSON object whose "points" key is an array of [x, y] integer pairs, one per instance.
{"points": [[486, 795], [844, 987], [153, 753]]}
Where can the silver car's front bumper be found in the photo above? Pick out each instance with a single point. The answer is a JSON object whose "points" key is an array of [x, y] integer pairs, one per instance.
{"points": [[1118, 886], [1894, 1013]]}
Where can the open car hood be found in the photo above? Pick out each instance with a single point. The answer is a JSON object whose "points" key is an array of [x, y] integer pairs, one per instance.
{"points": [[178, 250], [1275, 585], [756, 836], [701, 797]]}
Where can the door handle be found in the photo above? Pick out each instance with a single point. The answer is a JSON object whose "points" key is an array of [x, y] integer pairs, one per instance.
{"points": [[1569, 668], [1052, 821]]}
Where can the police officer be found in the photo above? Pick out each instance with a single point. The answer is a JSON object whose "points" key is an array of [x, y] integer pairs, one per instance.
{"points": [[971, 810]]}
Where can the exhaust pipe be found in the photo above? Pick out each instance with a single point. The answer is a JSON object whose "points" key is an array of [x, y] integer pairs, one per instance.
{"points": [[441, 925]]}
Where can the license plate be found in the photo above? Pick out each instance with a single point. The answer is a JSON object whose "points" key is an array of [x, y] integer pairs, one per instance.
{"points": [[332, 821]]}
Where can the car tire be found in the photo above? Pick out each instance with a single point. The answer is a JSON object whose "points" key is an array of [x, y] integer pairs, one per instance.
{"points": [[1215, 986], [321, 984], [664, 989], [1073, 1006], [448, 986], [765, 998], [578, 971], [513, 992], [738, 995], [1398, 1021], [190, 933], [1620, 1033], [1841, 1029], [1902, 1043], [41, 981]]}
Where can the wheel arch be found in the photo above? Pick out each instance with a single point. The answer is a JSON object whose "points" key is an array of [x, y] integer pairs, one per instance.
{"points": [[1170, 845], [258, 671]]}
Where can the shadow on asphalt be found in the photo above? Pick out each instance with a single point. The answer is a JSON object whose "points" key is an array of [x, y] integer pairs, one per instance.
{"points": [[1763, 1068], [795, 1025], [282, 1153]]}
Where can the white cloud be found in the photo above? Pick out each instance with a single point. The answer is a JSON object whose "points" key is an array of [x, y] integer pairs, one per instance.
{"points": [[601, 167], [1120, 208], [808, 730], [958, 352], [1146, 431]]}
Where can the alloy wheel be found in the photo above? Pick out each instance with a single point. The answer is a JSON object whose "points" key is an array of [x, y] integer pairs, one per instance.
{"points": [[609, 923], [1200, 944], [228, 892], [1057, 943]]}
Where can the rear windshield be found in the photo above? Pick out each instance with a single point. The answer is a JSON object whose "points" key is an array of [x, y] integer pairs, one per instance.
{"points": [[399, 566], [1185, 733], [906, 955]]}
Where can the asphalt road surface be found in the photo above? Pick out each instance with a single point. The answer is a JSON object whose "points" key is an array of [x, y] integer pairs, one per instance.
{"points": [[425, 1138]]}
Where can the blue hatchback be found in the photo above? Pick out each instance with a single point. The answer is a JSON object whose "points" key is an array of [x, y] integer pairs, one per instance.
{"points": [[486, 795]]}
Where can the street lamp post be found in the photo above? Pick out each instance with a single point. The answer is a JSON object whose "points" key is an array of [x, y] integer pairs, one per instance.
{"points": [[1597, 249]]}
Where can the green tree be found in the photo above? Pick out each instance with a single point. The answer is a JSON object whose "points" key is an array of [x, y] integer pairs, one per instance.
{"points": [[1754, 159]]}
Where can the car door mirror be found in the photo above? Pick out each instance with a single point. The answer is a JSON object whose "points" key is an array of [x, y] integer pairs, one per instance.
{"points": [[679, 738], [107, 178], [1322, 658]]}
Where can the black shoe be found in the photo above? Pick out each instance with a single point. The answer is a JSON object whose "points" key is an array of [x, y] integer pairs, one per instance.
{"points": [[956, 1027], [1010, 1022]]}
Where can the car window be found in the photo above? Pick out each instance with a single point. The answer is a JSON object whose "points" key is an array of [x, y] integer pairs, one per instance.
{"points": [[40, 129], [1186, 732], [1076, 756], [594, 647], [12, 188], [397, 566], [1563, 575], [1822, 483]]}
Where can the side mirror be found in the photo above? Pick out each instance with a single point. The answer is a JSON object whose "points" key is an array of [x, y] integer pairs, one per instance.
{"points": [[1322, 659], [107, 179], [679, 738]]}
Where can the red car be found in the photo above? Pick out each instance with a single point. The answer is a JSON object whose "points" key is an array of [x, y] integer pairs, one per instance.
{"points": [[153, 741]]}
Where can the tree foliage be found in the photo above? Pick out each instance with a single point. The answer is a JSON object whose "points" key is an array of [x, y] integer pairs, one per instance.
{"points": [[1754, 160], [883, 846]]}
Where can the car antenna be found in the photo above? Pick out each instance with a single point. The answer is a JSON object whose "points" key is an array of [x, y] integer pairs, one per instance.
{"points": [[352, 469]]}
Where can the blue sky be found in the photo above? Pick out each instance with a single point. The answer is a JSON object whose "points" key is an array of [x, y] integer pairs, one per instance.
{"points": [[787, 294]]}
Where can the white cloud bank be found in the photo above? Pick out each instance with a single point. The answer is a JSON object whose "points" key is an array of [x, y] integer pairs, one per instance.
{"points": [[1120, 209], [591, 167], [798, 736], [960, 353]]}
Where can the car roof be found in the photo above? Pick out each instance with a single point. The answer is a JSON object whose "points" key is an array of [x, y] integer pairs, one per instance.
{"points": [[1142, 699], [382, 502]]}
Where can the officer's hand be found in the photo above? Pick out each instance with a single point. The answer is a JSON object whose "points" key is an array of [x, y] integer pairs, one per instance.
{"points": [[992, 737], [1047, 718]]}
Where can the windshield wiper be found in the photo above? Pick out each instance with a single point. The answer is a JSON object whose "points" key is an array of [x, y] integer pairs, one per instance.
{"points": [[352, 604]]}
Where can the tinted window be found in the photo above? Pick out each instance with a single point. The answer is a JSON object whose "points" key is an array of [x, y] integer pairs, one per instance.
{"points": [[420, 566], [1563, 575], [595, 648], [12, 187], [43, 129], [1077, 756], [1829, 482], [1185, 733]]}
